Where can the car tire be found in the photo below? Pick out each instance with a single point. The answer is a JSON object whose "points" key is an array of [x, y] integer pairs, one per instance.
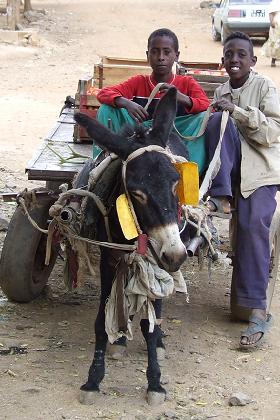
{"points": [[224, 34], [216, 36]]}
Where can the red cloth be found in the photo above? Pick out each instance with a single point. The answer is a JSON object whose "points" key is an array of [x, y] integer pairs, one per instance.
{"points": [[138, 89]]}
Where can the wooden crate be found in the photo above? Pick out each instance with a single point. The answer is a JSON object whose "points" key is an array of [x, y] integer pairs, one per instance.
{"points": [[88, 104], [208, 75], [113, 70]]}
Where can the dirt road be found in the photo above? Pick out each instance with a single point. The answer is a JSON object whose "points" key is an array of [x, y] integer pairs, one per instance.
{"points": [[203, 367]]}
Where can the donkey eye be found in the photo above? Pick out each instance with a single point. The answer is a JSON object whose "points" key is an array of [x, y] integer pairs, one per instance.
{"points": [[174, 188], [139, 196]]}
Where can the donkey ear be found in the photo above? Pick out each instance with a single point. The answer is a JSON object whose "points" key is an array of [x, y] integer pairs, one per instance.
{"points": [[104, 137], [164, 117]]}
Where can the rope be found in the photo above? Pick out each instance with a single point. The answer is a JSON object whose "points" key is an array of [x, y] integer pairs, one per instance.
{"points": [[121, 247], [32, 221], [202, 228]]}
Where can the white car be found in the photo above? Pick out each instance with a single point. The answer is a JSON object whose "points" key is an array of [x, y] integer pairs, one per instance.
{"points": [[249, 16]]}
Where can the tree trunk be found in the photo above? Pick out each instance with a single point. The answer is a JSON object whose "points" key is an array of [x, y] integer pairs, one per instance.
{"points": [[27, 5], [12, 13]]}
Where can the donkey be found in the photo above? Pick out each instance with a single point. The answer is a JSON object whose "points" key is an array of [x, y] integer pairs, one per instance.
{"points": [[150, 181]]}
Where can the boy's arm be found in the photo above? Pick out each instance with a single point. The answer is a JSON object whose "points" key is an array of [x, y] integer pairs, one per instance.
{"points": [[121, 96], [261, 124], [190, 95], [125, 89], [200, 101]]}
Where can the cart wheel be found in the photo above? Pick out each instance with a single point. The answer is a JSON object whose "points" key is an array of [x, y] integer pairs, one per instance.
{"points": [[242, 313], [23, 273]]}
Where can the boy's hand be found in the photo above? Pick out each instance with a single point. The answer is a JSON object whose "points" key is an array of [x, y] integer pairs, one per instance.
{"points": [[136, 111], [181, 98], [223, 105]]}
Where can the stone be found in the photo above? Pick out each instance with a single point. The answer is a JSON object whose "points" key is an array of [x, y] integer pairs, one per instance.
{"points": [[239, 399], [3, 224]]}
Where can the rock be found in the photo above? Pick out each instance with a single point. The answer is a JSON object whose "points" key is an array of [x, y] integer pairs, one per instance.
{"points": [[239, 399], [141, 417], [155, 399], [207, 4], [3, 224], [170, 415]]}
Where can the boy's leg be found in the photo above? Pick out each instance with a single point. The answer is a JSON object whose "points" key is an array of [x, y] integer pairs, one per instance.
{"points": [[252, 253], [230, 155]]}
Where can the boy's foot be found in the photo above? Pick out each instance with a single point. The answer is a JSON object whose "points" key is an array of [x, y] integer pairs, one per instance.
{"points": [[259, 322], [219, 207], [273, 62]]}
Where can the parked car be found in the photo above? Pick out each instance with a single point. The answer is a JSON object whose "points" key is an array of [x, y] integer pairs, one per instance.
{"points": [[249, 16]]}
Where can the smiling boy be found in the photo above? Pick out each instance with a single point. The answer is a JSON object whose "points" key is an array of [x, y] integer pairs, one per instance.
{"points": [[249, 171]]}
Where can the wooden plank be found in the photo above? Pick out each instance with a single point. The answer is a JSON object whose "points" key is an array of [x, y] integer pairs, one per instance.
{"points": [[143, 62], [201, 65], [63, 129], [123, 60], [202, 78], [112, 74], [45, 164], [66, 117]]}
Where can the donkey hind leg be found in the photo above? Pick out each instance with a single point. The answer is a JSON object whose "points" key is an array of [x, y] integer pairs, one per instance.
{"points": [[108, 260], [96, 372], [156, 394]]}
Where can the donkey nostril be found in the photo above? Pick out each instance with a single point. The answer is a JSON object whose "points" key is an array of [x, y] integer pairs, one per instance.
{"points": [[172, 264]]}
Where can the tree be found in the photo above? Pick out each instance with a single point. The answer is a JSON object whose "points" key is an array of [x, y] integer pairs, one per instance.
{"points": [[27, 6]]}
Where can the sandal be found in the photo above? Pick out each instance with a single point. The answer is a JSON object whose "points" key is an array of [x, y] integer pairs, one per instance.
{"points": [[260, 327], [219, 209]]}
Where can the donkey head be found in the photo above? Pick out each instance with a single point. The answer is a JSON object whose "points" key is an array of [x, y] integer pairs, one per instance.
{"points": [[151, 178]]}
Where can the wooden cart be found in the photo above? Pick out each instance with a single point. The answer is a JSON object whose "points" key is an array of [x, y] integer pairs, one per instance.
{"points": [[23, 274]]}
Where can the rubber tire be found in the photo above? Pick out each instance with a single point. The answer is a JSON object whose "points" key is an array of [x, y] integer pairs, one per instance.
{"points": [[224, 34], [23, 274], [215, 35]]}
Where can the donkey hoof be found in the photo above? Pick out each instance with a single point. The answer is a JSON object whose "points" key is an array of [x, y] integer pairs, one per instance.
{"points": [[155, 398], [160, 353], [117, 352], [88, 397]]}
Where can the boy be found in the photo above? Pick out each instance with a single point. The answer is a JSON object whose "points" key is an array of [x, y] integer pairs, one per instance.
{"points": [[127, 100], [250, 168]]}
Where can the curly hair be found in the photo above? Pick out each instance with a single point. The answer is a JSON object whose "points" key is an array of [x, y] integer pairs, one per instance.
{"points": [[240, 35], [164, 32]]}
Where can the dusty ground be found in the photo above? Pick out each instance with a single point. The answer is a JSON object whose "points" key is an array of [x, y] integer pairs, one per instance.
{"points": [[204, 366]]}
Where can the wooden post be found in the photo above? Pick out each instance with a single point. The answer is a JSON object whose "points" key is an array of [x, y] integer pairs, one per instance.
{"points": [[13, 10]]}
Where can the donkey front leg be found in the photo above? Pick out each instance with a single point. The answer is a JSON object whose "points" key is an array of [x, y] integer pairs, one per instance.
{"points": [[160, 345], [156, 394]]}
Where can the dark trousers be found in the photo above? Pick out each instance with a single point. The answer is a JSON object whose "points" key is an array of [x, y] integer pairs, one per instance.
{"points": [[253, 218]]}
